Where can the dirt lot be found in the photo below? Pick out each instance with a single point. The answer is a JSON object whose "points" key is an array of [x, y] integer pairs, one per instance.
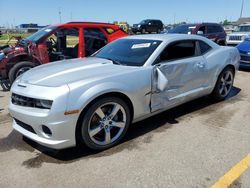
{"points": [[189, 146]]}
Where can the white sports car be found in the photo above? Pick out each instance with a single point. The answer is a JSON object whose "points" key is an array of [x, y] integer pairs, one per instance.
{"points": [[93, 101]]}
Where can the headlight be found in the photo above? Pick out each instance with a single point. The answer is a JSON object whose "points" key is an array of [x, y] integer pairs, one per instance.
{"points": [[138, 25], [2, 55], [46, 104]]}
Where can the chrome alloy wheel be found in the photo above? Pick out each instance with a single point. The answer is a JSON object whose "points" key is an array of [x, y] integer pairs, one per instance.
{"points": [[226, 83], [107, 123]]}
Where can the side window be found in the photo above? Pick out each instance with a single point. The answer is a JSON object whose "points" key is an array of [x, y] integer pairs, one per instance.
{"points": [[214, 29], [63, 44], [179, 50], [204, 47], [72, 37], [94, 39]]}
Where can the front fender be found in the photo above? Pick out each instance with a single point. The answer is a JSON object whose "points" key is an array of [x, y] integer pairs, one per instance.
{"points": [[79, 99]]}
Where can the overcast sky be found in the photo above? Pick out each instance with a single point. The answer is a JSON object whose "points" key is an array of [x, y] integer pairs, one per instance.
{"points": [[43, 12]]}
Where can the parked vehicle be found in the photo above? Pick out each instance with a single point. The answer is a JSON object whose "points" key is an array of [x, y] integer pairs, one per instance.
{"points": [[56, 42], [148, 26], [239, 36], [212, 31], [95, 99], [244, 49]]}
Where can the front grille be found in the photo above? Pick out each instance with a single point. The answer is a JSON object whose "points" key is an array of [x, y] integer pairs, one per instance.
{"points": [[245, 58], [235, 38], [25, 126], [22, 100]]}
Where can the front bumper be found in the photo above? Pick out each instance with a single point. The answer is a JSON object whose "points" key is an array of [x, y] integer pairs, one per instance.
{"points": [[233, 42], [244, 61], [62, 127], [136, 29]]}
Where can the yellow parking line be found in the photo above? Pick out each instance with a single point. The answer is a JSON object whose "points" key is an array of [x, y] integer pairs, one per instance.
{"points": [[233, 174]]}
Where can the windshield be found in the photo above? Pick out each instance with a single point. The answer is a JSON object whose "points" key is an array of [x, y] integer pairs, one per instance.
{"points": [[183, 29], [130, 52], [245, 28], [143, 22], [41, 33]]}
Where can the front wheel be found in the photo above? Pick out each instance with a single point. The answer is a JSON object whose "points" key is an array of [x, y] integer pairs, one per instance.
{"points": [[18, 69], [105, 123], [224, 84]]}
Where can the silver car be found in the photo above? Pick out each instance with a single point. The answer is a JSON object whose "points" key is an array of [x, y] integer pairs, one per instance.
{"points": [[93, 101]]}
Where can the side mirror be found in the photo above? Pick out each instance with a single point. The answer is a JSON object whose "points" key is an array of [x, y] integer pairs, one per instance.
{"points": [[162, 81], [200, 33]]}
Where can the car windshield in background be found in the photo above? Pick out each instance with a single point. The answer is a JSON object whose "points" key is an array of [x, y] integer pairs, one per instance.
{"points": [[143, 22], [130, 52], [41, 33], [244, 28], [182, 29]]}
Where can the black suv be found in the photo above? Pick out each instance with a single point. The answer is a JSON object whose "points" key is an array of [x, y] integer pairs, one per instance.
{"points": [[148, 26], [213, 31]]}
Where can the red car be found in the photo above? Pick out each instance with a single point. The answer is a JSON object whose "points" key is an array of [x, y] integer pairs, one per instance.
{"points": [[56, 42]]}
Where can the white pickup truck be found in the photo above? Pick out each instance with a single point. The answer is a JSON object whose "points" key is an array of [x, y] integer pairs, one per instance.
{"points": [[239, 36]]}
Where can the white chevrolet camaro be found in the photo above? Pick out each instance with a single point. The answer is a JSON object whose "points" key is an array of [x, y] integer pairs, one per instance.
{"points": [[93, 100]]}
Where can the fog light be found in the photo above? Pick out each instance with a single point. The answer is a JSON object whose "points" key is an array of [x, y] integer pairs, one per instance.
{"points": [[46, 130]]}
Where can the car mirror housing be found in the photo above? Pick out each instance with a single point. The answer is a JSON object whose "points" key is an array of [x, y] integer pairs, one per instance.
{"points": [[200, 33]]}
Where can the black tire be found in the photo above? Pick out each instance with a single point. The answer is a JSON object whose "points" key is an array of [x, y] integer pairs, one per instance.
{"points": [[143, 31], [16, 70], [83, 129], [217, 94]]}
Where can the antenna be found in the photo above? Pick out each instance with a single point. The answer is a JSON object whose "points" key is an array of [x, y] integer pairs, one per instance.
{"points": [[59, 13], [242, 6]]}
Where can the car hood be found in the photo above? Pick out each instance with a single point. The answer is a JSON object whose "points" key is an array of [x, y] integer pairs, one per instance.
{"points": [[239, 34], [244, 46], [69, 71]]}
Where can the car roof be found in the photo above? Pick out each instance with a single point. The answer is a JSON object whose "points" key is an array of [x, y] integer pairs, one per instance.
{"points": [[168, 38], [94, 24]]}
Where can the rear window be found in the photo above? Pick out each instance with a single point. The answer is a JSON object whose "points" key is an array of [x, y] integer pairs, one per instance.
{"points": [[204, 47]]}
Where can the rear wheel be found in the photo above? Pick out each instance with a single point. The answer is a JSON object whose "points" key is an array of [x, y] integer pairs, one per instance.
{"points": [[19, 69], [105, 123], [224, 84]]}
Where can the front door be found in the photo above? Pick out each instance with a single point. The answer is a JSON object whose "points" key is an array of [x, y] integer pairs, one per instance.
{"points": [[183, 68]]}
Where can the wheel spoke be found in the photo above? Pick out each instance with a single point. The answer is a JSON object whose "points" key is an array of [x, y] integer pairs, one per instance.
{"points": [[118, 124], [221, 89], [100, 113], [227, 75], [94, 131], [107, 136], [116, 108], [226, 90]]}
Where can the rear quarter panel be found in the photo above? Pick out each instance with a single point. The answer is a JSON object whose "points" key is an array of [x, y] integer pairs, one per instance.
{"points": [[218, 59]]}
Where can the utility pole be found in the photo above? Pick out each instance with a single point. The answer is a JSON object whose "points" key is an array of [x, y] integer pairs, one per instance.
{"points": [[242, 6], [59, 13]]}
